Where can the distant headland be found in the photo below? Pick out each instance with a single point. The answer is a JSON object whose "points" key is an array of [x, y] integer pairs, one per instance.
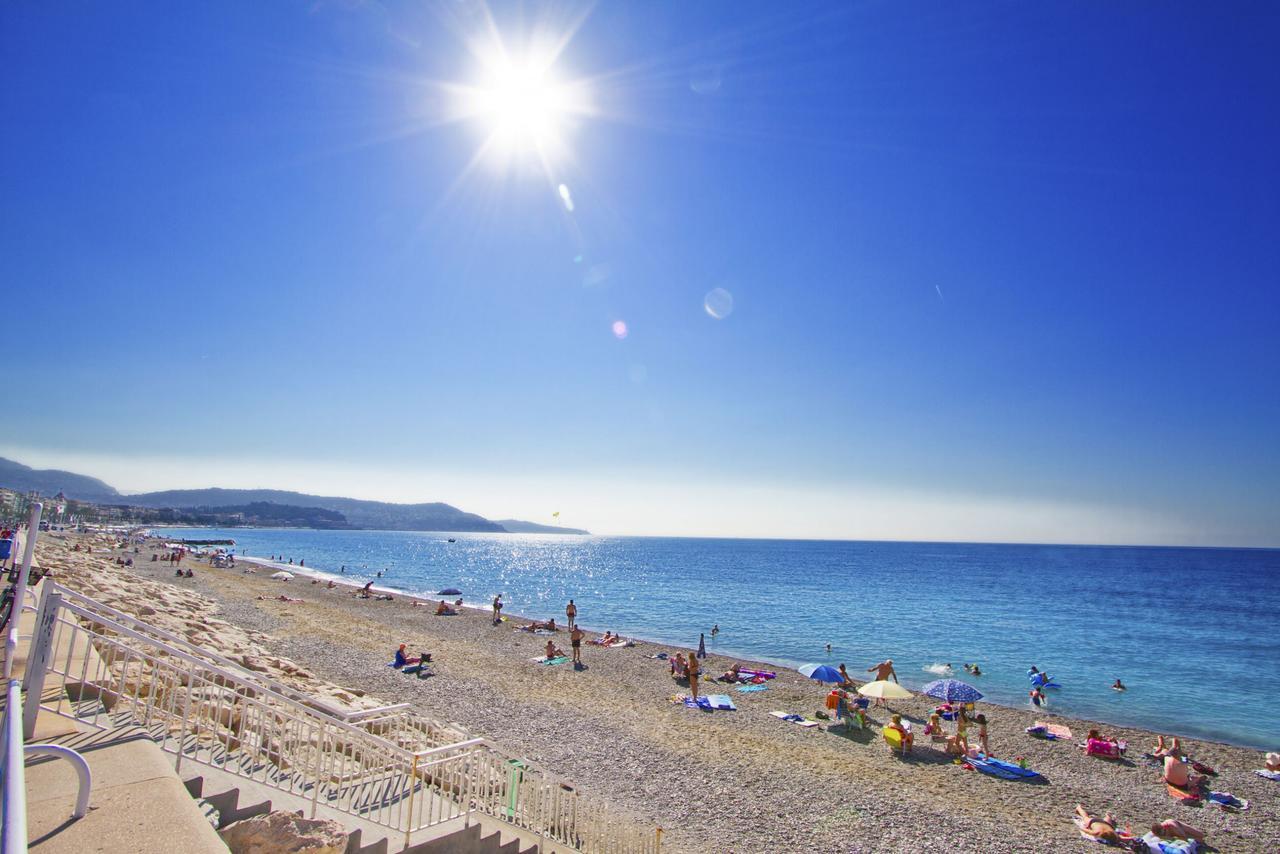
{"points": [[273, 507]]}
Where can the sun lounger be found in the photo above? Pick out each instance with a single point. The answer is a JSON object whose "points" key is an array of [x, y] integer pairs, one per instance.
{"points": [[795, 719]]}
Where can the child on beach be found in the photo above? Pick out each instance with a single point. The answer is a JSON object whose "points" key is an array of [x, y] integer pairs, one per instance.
{"points": [[981, 721], [934, 727]]}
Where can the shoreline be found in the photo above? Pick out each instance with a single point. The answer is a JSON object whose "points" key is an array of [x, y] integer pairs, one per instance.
{"points": [[696, 774], [747, 659]]}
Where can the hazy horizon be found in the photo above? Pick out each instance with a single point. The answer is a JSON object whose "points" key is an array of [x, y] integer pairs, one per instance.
{"points": [[924, 272]]}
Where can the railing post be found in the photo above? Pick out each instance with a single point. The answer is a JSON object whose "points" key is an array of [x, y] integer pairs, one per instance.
{"points": [[413, 779], [20, 591], [39, 653], [320, 753]]}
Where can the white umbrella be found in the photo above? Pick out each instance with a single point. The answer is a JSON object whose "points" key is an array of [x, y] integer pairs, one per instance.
{"points": [[282, 575]]}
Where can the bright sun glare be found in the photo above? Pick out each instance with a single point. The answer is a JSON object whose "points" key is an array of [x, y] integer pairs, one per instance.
{"points": [[525, 108], [523, 105]]}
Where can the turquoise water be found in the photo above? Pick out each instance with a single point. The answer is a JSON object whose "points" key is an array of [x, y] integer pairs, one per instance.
{"points": [[1193, 633]]}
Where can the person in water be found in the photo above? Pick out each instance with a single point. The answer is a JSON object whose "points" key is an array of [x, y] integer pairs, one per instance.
{"points": [[1119, 686], [715, 630], [1037, 697]]}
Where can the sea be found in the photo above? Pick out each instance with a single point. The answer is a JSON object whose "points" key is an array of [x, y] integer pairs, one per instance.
{"points": [[1194, 634]]}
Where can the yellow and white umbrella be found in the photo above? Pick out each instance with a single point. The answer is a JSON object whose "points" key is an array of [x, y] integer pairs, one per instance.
{"points": [[883, 689]]}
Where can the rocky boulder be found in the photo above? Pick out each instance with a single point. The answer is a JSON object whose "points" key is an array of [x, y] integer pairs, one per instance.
{"points": [[284, 833]]}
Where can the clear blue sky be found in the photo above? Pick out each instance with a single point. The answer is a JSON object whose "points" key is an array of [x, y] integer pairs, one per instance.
{"points": [[999, 271]]}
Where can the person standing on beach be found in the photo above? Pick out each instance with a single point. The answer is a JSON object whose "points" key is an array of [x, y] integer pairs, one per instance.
{"points": [[693, 676], [575, 638], [883, 670], [571, 612], [497, 609]]}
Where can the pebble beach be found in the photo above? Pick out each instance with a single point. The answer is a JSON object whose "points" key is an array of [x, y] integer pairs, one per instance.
{"points": [[741, 781]]}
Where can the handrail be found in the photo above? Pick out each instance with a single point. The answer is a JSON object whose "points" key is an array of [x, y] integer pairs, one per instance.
{"points": [[13, 837], [199, 711], [172, 639], [87, 614], [78, 762]]}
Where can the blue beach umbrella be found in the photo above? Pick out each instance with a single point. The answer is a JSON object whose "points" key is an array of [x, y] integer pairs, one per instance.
{"points": [[821, 672], [952, 691]]}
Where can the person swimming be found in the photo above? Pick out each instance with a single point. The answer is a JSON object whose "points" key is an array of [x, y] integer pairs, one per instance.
{"points": [[1119, 686]]}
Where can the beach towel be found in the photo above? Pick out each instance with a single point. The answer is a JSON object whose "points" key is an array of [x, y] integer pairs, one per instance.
{"points": [[703, 703], [746, 689], [795, 719], [1170, 846], [763, 674], [542, 659], [1011, 767], [1261, 772], [1228, 801], [986, 766], [1184, 795], [722, 702], [420, 669], [1055, 730]]}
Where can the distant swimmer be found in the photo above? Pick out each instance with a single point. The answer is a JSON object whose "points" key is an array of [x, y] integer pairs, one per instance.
{"points": [[715, 630], [828, 649], [1119, 686]]}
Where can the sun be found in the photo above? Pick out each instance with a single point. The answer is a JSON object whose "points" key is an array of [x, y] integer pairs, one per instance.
{"points": [[524, 106]]}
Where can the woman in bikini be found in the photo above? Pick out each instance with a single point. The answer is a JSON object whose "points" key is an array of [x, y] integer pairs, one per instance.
{"points": [[1101, 828]]}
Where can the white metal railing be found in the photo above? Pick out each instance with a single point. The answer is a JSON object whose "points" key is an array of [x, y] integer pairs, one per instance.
{"points": [[13, 830], [395, 722], [383, 765]]}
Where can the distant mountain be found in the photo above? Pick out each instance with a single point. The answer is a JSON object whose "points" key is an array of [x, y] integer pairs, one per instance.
{"points": [[22, 478], [360, 514], [515, 526], [375, 515]]}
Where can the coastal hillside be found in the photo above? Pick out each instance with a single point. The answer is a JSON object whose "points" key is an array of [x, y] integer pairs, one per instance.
{"points": [[22, 478], [517, 526], [323, 511], [433, 516]]}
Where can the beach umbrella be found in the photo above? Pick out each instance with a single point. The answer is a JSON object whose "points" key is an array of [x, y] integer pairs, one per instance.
{"points": [[883, 689], [282, 575], [952, 691], [821, 672]]}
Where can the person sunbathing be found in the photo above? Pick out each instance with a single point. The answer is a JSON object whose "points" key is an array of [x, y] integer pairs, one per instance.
{"points": [[1273, 762], [678, 667], [731, 675], [1170, 748], [1171, 828], [908, 738], [443, 610], [1101, 828], [1178, 774], [554, 651], [604, 640]]}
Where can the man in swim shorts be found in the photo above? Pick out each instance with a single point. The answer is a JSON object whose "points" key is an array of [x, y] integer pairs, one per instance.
{"points": [[575, 638], [571, 612], [883, 670]]}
